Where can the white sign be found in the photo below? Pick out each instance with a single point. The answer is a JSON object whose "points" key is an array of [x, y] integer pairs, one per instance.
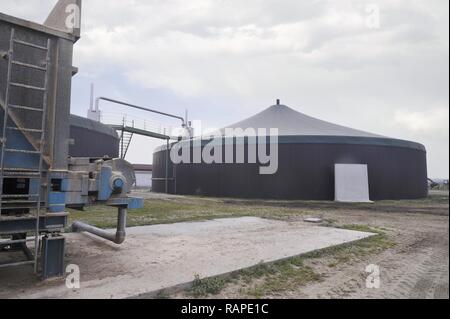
{"points": [[351, 183]]}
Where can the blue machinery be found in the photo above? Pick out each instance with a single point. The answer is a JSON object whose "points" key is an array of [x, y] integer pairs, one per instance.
{"points": [[38, 181]]}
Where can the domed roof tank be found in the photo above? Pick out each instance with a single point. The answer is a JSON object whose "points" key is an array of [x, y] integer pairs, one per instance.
{"points": [[308, 151]]}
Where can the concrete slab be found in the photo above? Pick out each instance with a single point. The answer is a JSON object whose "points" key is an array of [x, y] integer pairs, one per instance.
{"points": [[163, 256]]}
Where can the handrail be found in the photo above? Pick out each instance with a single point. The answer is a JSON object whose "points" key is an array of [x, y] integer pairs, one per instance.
{"points": [[97, 103]]}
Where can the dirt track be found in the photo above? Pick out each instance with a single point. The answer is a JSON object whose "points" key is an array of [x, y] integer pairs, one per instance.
{"points": [[416, 267]]}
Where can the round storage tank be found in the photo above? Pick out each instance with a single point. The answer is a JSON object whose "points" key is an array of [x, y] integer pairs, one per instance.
{"points": [[92, 139], [308, 150]]}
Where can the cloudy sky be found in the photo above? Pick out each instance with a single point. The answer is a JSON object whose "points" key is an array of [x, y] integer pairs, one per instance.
{"points": [[225, 60]]}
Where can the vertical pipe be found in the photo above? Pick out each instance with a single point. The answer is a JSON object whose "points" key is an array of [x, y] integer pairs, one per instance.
{"points": [[174, 176], [41, 154], [121, 225], [167, 167], [122, 136], [92, 99], [121, 144], [5, 117]]}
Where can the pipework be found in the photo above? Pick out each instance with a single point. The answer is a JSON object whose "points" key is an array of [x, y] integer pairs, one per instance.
{"points": [[118, 237]]}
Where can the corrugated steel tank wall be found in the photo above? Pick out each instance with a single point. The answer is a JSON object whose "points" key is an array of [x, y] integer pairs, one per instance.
{"points": [[306, 172]]}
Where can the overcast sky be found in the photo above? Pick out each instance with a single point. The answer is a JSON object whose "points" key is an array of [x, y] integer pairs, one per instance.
{"points": [[225, 60]]}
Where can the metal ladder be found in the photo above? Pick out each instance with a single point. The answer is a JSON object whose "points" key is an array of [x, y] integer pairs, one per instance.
{"points": [[125, 141], [33, 201]]}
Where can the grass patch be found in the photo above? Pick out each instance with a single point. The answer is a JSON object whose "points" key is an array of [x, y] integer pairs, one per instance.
{"points": [[432, 199], [435, 203], [278, 277], [168, 211], [163, 295], [363, 228], [190, 208], [346, 252], [208, 286]]}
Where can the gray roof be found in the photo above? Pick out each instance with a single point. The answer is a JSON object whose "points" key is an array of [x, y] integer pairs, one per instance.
{"points": [[289, 122], [87, 124], [297, 128]]}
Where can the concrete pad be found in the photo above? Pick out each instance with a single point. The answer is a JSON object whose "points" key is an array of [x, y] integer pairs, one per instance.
{"points": [[162, 256]]}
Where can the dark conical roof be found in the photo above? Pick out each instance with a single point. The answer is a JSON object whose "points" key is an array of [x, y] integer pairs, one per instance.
{"points": [[292, 123]]}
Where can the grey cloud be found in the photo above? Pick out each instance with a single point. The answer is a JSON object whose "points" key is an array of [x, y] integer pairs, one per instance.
{"points": [[317, 55]]}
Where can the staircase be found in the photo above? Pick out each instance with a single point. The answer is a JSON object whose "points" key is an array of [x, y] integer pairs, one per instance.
{"points": [[125, 141]]}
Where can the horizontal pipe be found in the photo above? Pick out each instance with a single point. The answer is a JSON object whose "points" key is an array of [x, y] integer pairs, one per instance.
{"points": [[21, 263], [97, 102], [117, 238]]}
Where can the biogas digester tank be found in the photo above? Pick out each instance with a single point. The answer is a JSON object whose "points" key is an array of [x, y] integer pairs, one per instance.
{"points": [[308, 151]]}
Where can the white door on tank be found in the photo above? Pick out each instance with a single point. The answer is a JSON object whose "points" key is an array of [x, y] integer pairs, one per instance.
{"points": [[351, 183]]}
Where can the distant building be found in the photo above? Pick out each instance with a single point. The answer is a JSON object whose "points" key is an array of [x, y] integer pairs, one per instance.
{"points": [[144, 174]]}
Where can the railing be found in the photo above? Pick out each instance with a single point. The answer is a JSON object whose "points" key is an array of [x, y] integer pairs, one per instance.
{"points": [[127, 120]]}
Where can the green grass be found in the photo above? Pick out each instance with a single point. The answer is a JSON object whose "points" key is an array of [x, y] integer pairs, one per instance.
{"points": [[163, 294], [168, 211], [209, 286], [363, 228], [286, 275], [275, 277], [436, 203], [432, 199], [183, 209], [349, 251]]}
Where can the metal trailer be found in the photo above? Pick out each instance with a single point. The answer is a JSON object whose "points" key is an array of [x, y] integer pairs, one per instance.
{"points": [[38, 180]]}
